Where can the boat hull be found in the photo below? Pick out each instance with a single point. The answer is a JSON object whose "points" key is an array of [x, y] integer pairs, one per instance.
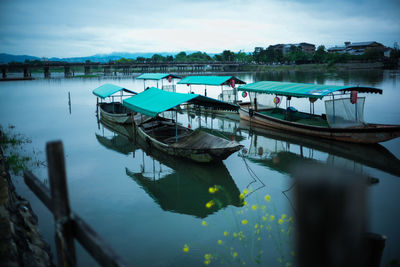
{"points": [[116, 114], [183, 149], [368, 134]]}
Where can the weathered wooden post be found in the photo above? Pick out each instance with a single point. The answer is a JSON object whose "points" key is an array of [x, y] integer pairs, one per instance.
{"points": [[64, 236], [331, 219]]}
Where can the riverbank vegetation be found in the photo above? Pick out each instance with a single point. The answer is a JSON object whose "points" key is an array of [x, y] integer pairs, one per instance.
{"points": [[17, 158]]}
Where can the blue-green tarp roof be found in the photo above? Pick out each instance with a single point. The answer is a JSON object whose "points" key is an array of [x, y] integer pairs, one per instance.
{"points": [[301, 89], [154, 101], [210, 80], [108, 89], [156, 76]]}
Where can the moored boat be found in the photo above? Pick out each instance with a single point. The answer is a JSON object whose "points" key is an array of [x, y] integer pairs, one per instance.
{"points": [[228, 90], [343, 121], [170, 137], [113, 110]]}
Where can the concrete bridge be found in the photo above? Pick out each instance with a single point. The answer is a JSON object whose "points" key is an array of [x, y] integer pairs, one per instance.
{"points": [[113, 68]]}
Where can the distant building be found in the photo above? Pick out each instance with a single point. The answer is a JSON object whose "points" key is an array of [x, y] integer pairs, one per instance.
{"points": [[357, 48], [286, 48]]}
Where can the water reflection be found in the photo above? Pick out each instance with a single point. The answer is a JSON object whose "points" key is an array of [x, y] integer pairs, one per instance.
{"points": [[119, 139], [176, 185]]}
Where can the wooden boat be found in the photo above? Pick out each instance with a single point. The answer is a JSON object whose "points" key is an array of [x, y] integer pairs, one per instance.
{"points": [[228, 90], [371, 155], [157, 77], [343, 120], [166, 135], [113, 111]]}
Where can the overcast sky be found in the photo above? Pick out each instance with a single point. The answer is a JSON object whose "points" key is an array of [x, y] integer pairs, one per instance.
{"points": [[50, 28]]}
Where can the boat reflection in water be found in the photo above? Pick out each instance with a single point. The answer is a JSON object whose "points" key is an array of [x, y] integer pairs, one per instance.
{"points": [[184, 186], [119, 140], [177, 185], [281, 151]]}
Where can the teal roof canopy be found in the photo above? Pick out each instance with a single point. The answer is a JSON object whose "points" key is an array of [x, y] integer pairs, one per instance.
{"points": [[108, 89], [301, 89], [156, 76], [153, 101], [210, 80]]}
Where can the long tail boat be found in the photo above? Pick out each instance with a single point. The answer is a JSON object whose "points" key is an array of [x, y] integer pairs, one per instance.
{"points": [[113, 110], [343, 121], [170, 137]]}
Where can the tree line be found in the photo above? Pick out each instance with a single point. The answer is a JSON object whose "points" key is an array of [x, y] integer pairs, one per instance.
{"points": [[270, 55]]}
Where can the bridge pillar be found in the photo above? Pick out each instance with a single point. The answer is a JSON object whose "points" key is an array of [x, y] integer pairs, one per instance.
{"points": [[87, 70], [67, 71], [46, 71], [4, 73], [27, 72], [107, 70]]}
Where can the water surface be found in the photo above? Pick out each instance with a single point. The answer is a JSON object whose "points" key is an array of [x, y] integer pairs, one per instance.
{"points": [[148, 205]]}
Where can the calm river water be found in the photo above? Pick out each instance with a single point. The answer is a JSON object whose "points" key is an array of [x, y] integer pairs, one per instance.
{"points": [[151, 208]]}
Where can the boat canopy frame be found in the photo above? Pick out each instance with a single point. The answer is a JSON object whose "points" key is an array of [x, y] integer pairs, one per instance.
{"points": [[154, 101], [108, 89], [302, 90]]}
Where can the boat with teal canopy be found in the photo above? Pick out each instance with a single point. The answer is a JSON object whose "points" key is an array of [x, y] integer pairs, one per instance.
{"points": [[160, 77], [170, 137], [343, 121], [110, 108], [227, 83]]}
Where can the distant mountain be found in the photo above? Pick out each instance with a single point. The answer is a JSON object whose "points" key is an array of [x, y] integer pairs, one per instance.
{"points": [[7, 58]]}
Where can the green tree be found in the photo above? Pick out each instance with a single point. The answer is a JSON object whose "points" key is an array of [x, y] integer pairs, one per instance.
{"points": [[228, 55], [181, 57], [320, 54]]}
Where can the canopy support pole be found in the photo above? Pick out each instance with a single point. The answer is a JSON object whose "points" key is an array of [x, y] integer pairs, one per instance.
{"points": [[205, 90], [176, 126]]}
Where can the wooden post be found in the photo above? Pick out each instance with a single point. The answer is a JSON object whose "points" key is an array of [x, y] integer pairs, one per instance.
{"points": [[60, 203], [331, 209]]}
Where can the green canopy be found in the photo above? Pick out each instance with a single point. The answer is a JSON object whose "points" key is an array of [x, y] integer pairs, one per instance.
{"points": [[153, 101], [301, 89], [156, 76], [210, 80], [108, 89]]}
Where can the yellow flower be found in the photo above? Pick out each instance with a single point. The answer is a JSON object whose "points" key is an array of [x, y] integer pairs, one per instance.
{"points": [[241, 196], [213, 189], [207, 256], [264, 218], [259, 238], [207, 262], [210, 203], [245, 191], [235, 234], [204, 223], [244, 203], [219, 242], [280, 221], [234, 254], [268, 198], [271, 218], [253, 207], [185, 248], [283, 216], [256, 225], [245, 221], [226, 233]]}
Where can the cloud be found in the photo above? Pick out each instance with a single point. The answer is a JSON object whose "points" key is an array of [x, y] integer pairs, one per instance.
{"points": [[80, 28]]}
